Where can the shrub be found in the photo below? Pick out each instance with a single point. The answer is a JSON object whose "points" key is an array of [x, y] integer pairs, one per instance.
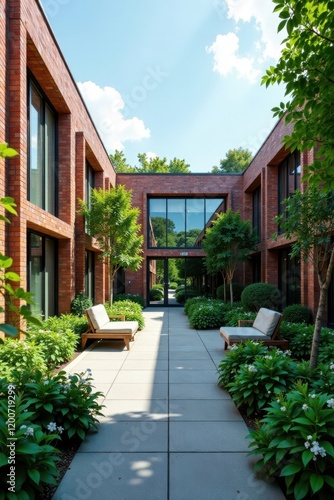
{"points": [[205, 315], [256, 383], [258, 295], [34, 454], [57, 347], [193, 302], [237, 356], [237, 290], [20, 356], [233, 314], [156, 294], [64, 401], [173, 285], [183, 294], [131, 311], [80, 303], [65, 322], [297, 313], [296, 440], [133, 297]]}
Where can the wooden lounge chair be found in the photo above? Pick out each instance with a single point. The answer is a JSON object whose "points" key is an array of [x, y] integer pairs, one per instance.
{"points": [[263, 329], [100, 326]]}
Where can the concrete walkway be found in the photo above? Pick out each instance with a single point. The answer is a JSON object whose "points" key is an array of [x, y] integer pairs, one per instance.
{"points": [[169, 433]]}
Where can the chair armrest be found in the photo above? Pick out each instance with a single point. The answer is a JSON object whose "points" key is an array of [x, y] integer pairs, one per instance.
{"points": [[120, 316], [243, 322]]}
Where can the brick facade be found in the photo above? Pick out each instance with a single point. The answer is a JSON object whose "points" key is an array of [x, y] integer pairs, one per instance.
{"points": [[31, 49]]}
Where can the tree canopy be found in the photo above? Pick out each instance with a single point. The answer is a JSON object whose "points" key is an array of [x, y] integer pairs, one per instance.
{"points": [[113, 222], [228, 242], [154, 165], [236, 160], [310, 223], [306, 68]]}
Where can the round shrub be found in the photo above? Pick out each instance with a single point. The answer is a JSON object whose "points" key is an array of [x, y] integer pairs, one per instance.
{"points": [[190, 303], [297, 313], [205, 315], [80, 303], [184, 294], [258, 295], [237, 290], [156, 294], [134, 297]]}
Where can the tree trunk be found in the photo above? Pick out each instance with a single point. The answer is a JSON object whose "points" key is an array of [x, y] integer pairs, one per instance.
{"points": [[324, 285], [231, 292]]}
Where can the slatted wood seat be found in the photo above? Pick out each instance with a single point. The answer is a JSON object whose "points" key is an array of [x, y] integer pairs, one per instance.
{"points": [[100, 326]]}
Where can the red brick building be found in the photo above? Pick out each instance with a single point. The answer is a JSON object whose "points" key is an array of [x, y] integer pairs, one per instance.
{"points": [[61, 158]]}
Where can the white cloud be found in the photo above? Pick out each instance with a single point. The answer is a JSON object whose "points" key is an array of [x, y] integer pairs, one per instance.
{"points": [[261, 11], [106, 108], [226, 59], [225, 49], [150, 156]]}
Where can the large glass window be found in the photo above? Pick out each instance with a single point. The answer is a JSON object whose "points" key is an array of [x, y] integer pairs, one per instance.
{"points": [[289, 277], [178, 222], [89, 274], [257, 213], [42, 162], [42, 282], [289, 172]]}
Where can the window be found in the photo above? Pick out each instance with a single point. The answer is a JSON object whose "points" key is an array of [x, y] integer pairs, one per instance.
{"points": [[289, 277], [89, 274], [42, 273], [42, 161], [179, 222], [89, 184], [257, 213], [288, 179]]}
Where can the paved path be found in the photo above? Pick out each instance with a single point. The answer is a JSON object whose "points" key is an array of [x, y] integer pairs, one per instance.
{"points": [[169, 433]]}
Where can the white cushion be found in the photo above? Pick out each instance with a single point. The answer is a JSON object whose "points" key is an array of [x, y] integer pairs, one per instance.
{"points": [[98, 316], [119, 327], [236, 333], [266, 321]]}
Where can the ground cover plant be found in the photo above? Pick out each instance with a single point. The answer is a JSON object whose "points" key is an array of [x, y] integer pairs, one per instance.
{"points": [[131, 310]]}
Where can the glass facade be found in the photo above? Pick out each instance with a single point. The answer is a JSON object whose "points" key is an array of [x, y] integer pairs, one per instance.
{"points": [[289, 277], [42, 282], [289, 172], [180, 222], [42, 161]]}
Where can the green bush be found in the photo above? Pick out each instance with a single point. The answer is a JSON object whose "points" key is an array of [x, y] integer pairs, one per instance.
{"points": [[156, 294], [57, 347], [295, 440], [80, 303], [24, 446], [258, 295], [20, 356], [193, 302], [131, 310], [158, 286], [237, 356], [257, 383], [237, 290], [63, 401], [297, 313], [65, 322], [206, 315], [183, 294], [173, 285], [133, 297], [233, 314]]}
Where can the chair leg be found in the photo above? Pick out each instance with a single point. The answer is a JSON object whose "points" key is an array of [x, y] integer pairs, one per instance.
{"points": [[127, 343]]}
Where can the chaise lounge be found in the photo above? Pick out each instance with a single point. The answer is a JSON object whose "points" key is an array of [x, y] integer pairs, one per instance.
{"points": [[100, 326], [263, 329]]}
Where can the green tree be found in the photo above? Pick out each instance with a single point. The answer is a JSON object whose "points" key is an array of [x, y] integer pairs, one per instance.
{"points": [[306, 68], [120, 163], [227, 242], [310, 223], [113, 222], [236, 160], [161, 166]]}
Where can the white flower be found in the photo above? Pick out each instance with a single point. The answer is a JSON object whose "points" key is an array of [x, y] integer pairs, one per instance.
{"points": [[46, 382], [312, 396], [52, 426], [29, 431], [304, 407], [60, 429], [330, 403], [251, 368], [283, 408], [318, 450], [23, 427], [331, 366], [307, 444], [309, 437]]}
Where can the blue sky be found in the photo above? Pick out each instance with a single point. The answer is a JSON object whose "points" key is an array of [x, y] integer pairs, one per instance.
{"points": [[173, 79]]}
